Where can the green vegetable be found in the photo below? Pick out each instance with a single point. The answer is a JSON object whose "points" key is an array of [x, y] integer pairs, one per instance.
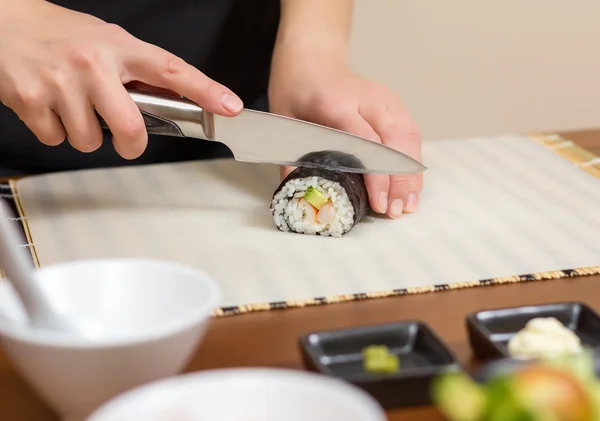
{"points": [[580, 365], [315, 197], [503, 403], [512, 411], [557, 389], [378, 359], [458, 397]]}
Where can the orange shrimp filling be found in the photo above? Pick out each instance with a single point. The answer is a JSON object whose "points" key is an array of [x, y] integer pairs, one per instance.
{"points": [[324, 215]]}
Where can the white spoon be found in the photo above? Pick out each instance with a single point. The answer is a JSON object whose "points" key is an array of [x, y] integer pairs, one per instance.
{"points": [[20, 272]]}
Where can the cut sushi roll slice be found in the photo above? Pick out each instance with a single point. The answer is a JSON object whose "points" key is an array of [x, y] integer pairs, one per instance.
{"points": [[319, 201]]}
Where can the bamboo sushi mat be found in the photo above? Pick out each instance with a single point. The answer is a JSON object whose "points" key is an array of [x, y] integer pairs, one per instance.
{"points": [[495, 210]]}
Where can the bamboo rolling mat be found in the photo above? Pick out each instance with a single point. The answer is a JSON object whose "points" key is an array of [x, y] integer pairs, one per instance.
{"points": [[494, 210]]}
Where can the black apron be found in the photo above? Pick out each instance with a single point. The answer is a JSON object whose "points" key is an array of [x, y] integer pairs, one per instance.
{"points": [[230, 41]]}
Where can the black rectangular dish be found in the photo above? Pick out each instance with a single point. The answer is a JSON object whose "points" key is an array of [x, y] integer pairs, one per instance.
{"points": [[422, 356], [489, 331]]}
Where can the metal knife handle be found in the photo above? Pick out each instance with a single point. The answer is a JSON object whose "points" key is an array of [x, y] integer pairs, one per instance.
{"points": [[169, 116], [154, 125]]}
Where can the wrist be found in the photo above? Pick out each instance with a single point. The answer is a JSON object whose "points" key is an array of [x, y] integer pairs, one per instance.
{"points": [[308, 46], [11, 10], [310, 28], [301, 52], [17, 6]]}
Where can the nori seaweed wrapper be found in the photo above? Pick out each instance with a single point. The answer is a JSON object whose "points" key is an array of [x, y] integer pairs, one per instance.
{"points": [[353, 183]]}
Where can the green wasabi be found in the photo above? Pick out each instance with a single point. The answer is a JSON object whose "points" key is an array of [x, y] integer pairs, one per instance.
{"points": [[378, 359]]}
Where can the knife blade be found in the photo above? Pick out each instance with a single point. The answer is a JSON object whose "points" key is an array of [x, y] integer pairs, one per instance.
{"points": [[261, 137]]}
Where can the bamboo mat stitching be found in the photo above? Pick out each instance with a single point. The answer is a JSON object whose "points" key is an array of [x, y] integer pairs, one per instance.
{"points": [[7, 194], [565, 148]]}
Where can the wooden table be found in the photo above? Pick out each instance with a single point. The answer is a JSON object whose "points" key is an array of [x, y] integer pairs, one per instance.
{"points": [[270, 338]]}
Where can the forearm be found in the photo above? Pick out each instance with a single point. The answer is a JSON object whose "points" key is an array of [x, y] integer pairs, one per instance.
{"points": [[315, 24]]}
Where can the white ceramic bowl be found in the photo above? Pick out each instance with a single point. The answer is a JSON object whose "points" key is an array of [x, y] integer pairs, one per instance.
{"points": [[150, 316], [243, 394]]}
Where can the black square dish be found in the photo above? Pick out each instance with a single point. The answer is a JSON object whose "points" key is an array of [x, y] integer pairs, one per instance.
{"points": [[421, 353], [489, 331]]}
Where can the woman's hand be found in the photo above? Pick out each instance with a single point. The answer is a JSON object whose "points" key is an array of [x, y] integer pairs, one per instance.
{"points": [[58, 66], [318, 86]]}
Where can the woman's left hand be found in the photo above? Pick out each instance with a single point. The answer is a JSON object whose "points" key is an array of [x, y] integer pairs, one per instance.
{"points": [[323, 90]]}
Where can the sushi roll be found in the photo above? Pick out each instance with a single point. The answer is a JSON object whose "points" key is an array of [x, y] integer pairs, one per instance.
{"points": [[318, 201]]}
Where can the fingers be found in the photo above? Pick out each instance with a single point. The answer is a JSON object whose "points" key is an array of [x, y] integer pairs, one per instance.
{"points": [[154, 66], [29, 100], [46, 126], [80, 122], [377, 185], [399, 132], [123, 117], [285, 171], [404, 195]]}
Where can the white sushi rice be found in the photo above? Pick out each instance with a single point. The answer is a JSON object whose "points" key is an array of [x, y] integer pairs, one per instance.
{"points": [[289, 216]]}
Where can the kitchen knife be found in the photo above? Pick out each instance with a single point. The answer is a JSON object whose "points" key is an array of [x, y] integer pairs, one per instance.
{"points": [[260, 137]]}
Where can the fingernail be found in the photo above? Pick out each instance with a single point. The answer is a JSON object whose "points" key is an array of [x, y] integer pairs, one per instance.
{"points": [[396, 208], [231, 103], [382, 202], [412, 203]]}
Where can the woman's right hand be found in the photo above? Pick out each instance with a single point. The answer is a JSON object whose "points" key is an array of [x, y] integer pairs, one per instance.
{"points": [[58, 66]]}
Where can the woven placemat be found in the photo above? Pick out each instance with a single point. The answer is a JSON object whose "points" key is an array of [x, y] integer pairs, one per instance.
{"points": [[563, 147]]}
